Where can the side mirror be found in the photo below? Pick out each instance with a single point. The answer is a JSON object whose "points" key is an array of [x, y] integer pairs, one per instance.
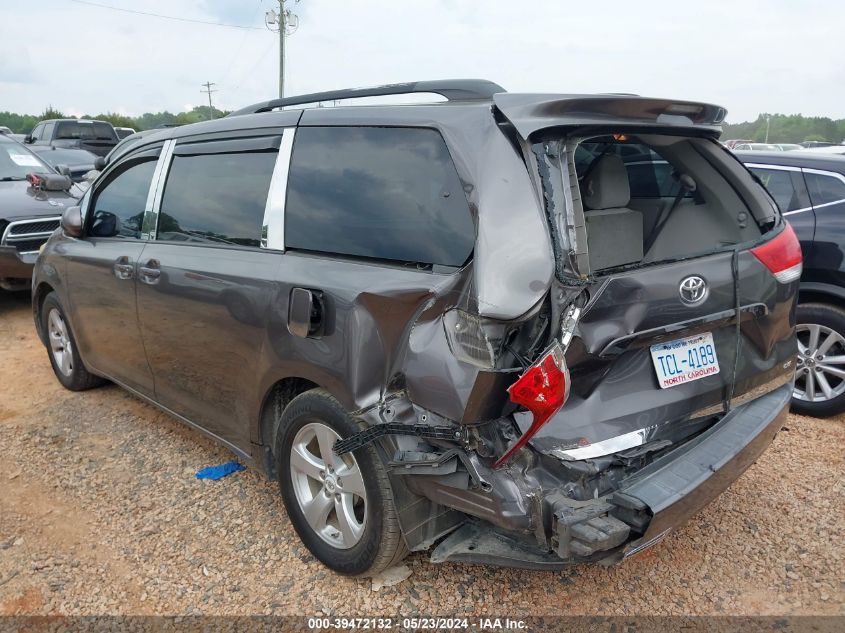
{"points": [[64, 170], [72, 222], [28, 139], [99, 163]]}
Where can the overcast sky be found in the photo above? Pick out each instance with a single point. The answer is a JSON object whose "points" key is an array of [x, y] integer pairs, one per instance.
{"points": [[750, 56]]}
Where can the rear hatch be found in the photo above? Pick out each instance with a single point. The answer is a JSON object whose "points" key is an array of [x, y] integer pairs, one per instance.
{"points": [[683, 272]]}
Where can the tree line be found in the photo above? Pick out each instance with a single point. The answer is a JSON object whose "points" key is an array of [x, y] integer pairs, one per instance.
{"points": [[783, 128], [787, 128], [23, 123]]}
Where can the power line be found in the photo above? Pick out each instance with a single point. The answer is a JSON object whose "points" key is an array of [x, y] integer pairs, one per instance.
{"points": [[287, 22], [208, 89], [234, 57], [166, 17]]}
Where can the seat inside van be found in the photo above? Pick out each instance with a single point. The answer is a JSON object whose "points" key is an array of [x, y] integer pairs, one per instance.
{"points": [[654, 198]]}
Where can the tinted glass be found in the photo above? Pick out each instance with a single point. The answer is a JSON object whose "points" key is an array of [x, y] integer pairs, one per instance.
{"points": [[216, 198], [384, 193], [104, 132], [824, 189], [779, 184], [119, 205], [85, 130]]}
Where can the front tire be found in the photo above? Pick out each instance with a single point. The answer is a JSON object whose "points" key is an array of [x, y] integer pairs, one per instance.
{"points": [[820, 372], [340, 506], [62, 349]]}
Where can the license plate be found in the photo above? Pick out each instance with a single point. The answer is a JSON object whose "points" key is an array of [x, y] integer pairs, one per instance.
{"points": [[684, 360]]}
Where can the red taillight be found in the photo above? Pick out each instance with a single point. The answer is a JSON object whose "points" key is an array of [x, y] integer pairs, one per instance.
{"points": [[34, 180], [782, 256], [542, 389]]}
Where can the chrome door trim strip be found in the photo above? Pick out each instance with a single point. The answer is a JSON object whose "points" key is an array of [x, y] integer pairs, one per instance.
{"points": [[777, 167], [150, 223], [273, 225], [824, 172]]}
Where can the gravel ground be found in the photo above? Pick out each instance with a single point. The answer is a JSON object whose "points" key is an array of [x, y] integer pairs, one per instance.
{"points": [[100, 513]]}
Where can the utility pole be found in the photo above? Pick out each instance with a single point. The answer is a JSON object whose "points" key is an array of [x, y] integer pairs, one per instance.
{"points": [[768, 118], [208, 90], [286, 23]]}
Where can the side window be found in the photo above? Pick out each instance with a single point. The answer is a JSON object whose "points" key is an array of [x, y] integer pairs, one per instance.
{"points": [[216, 198], [377, 192], [36, 132], [48, 132], [780, 185], [824, 189], [118, 206]]}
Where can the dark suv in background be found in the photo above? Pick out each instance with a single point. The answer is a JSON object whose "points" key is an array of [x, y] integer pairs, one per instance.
{"points": [[30, 210], [98, 137], [810, 190], [452, 323]]}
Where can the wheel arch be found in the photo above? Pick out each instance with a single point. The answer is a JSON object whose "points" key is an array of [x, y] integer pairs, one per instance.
{"points": [[274, 401], [39, 293], [820, 292]]}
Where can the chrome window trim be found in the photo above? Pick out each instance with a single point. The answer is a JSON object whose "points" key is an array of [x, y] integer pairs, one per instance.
{"points": [[781, 168], [776, 167], [829, 174], [824, 172], [273, 224], [149, 227]]}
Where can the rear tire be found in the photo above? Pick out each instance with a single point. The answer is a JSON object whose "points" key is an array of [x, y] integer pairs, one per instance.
{"points": [[352, 525], [62, 349], [819, 391]]}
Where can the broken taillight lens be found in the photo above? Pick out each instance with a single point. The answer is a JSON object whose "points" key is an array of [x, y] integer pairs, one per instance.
{"points": [[543, 390], [782, 256]]}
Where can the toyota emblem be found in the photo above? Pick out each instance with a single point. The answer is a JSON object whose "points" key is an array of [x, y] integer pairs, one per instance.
{"points": [[693, 290]]}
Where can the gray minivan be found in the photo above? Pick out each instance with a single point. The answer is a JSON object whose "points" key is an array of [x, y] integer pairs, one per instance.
{"points": [[495, 325]]}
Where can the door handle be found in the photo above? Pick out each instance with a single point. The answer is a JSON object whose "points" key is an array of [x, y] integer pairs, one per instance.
{"points": [[124, 268], [306, 313], [150, 272]]}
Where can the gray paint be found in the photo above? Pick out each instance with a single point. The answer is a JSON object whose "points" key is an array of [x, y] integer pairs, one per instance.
{"points": [[202, 330]]}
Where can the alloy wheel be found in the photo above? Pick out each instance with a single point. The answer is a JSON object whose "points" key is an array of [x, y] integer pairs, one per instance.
{"points": [[329, 488], [60, 345], [820, 371]]}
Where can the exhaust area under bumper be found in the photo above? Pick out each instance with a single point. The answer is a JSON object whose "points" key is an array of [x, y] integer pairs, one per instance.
{"points": [[646, 507]]}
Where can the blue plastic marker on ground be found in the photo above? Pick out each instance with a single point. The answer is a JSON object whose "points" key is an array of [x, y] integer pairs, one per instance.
{"points": [[218, 472]]}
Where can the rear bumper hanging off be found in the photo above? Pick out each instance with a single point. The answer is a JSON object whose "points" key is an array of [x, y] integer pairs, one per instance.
{"points": [[647, 506]]}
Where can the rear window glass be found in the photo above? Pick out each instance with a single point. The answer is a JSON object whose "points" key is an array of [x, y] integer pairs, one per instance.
{"points": [[825, 189], [381, 193], [216, 198], [85, 130]]}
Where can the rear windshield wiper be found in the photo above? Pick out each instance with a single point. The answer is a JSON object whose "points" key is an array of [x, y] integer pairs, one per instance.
{"points": [[12, 178]]}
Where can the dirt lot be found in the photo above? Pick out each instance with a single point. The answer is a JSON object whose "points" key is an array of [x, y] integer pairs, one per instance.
{"points": [[100, 512]]}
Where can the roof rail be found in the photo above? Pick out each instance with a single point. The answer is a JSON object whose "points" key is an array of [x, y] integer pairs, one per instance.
{"points": [[452, 89]]}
